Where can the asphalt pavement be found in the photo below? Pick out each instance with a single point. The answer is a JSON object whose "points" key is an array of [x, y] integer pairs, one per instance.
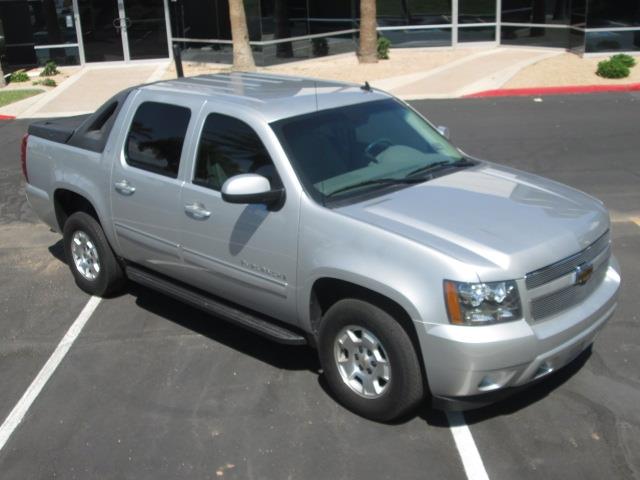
{"points": [[154, 389]]}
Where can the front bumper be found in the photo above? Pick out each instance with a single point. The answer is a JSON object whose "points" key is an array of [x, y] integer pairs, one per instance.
{"points": [[472, 366]]}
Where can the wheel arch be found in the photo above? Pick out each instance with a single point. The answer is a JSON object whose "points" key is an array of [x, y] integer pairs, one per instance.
{"points": [[67, 202], [327, 290]]}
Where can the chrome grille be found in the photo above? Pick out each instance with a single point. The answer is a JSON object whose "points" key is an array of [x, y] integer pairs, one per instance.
{"points": [[568, 297], [551, 272]]}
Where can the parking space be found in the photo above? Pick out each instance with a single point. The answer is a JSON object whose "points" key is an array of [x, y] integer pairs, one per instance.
{"points": [[154, 389]]}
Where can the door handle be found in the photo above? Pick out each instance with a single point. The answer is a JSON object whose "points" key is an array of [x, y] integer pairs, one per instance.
{"points": [[124, 187], [197, 210]]}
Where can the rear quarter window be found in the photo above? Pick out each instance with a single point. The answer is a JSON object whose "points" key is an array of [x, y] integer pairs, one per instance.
{"points": [[156, 137]]}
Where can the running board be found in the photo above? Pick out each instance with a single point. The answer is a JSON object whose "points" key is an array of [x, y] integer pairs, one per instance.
{"points": [[250, 321]]}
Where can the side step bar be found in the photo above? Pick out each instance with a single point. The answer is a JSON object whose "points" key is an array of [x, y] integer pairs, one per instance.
{"points": [[250, 321]]}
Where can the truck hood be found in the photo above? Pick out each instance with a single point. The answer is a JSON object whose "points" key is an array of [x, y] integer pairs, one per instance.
{"points": [[501, 221]]}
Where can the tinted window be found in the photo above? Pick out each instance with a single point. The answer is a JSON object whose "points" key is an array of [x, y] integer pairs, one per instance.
{"points": [[156, 137], [230, 147], [334, 150]]}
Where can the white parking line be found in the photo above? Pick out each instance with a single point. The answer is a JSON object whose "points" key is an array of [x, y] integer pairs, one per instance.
{"points": [[471, 460], [23, 405]]}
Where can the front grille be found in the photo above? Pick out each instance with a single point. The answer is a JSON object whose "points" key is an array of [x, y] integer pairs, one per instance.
{"points": [[551, 272], [568, 297]]}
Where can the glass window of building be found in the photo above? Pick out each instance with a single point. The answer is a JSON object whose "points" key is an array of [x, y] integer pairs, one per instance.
{"points": [[536, 11], [613, 14]]}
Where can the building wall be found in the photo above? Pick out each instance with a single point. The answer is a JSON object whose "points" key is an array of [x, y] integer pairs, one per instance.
{"points": [[34, 31]]}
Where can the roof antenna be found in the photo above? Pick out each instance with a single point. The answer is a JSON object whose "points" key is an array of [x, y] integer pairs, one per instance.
{"points": [[366, 87]]}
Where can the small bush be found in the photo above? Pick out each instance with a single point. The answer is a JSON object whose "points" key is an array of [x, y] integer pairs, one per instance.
{"points": [[47, 82], [612, 69], [626, 60], [383, 48], [50, 69], [19, 76]]}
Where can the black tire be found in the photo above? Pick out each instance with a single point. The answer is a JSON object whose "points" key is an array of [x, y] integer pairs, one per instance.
{"points": [[405, 389], [110, 278]]}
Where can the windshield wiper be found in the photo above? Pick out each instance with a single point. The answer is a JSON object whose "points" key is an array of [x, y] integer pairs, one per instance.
{"points": [[376, 181], [462, 163]]}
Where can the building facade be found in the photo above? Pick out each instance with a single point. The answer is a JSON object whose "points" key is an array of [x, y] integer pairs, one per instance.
{"points": [[74, 32]]}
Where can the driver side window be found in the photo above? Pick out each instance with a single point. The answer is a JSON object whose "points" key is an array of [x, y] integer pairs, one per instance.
{"points": [[229, 147]]}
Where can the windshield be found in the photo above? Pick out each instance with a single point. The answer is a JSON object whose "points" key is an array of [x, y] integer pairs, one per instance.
{"points": [[347, 150]]}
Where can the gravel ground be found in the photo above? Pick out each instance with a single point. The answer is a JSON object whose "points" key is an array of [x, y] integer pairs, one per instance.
{"points": [[345, 67], [567, 69]]}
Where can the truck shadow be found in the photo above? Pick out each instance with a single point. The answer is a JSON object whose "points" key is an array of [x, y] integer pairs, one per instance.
{"points": [[280, 356], [537, 392], [300, 358]]}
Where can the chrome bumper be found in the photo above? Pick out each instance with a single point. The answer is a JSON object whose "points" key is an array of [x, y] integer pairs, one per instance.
{"points": [[477, 362]]}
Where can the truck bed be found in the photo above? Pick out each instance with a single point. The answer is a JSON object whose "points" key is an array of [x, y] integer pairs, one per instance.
{"points": [[57, 130], [89, 132]]}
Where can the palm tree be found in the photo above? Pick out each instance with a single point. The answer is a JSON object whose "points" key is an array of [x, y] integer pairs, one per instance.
{"points": [[368, 49], [1, 76], [242, 55]]}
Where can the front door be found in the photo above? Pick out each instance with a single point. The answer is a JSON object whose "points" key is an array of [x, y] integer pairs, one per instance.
{"points": [[244, 253], [115, 30]]}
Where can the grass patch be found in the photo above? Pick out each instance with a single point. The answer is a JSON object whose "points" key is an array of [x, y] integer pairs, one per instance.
{"points": [[10, 96]]}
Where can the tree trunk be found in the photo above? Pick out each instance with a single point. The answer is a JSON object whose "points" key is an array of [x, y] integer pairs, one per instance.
{"points": [[242, 55], [368, 49], [1, 77]]}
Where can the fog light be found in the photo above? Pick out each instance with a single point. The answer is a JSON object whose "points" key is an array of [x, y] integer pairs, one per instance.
{"points": [[495, 380]]}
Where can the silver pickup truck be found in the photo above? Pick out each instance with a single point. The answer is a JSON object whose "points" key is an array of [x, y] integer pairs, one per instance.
{"points": [[330, 214]]}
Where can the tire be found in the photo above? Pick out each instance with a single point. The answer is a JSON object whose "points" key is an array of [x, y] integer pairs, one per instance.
{"points": [[94, 266], [376, 398]]}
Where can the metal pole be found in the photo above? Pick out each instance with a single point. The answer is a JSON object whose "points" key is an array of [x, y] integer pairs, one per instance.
{"points": [[177, 57]]}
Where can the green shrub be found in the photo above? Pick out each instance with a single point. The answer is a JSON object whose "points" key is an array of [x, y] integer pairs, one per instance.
{"points": [[612, 69], [47, 82], [50, 69], [626, 60], [19, 76], [383, 48]]}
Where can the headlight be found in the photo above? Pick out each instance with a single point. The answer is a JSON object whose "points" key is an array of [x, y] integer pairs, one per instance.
{"points": [[482, 303]]}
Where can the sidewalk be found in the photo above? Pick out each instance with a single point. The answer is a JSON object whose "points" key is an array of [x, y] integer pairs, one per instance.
{"points": [[410, 74], [86, 90]]}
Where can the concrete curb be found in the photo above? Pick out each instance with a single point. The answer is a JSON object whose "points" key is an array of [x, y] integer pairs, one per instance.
{"points": [[564, 90]]}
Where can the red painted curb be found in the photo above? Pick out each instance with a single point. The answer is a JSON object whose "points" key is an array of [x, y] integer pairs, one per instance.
{"points": [[570, 90], [7, 117]]}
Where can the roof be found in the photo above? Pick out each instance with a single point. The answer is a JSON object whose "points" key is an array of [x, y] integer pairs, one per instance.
{"points": [[272, 96]]}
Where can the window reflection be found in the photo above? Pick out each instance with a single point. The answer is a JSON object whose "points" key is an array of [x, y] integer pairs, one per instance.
{"points": [[476, 11], [613, 41], [536, 11], [52, 21], [618, 13]]}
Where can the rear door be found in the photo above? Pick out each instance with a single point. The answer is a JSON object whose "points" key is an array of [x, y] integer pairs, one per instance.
{"points": [[145, 184], [244, 253]]}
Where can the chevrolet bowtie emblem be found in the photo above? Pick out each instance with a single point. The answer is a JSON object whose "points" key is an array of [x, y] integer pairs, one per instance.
{"points": [[583, 273]]}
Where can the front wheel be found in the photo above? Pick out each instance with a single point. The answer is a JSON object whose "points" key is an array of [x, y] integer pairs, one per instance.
{"points": [[369, 361], [91, 260]]}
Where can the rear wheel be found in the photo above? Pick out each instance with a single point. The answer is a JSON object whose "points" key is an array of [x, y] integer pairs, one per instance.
{"points": [[369, 361], [91, 260]]}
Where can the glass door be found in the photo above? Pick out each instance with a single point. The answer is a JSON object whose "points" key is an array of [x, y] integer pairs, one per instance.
{"points": [[477, 20], [101, 30], [146, 28], [115, 30]]}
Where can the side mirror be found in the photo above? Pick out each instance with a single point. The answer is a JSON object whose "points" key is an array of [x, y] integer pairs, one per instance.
{"points": [[250, 188], [444, 131]]}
